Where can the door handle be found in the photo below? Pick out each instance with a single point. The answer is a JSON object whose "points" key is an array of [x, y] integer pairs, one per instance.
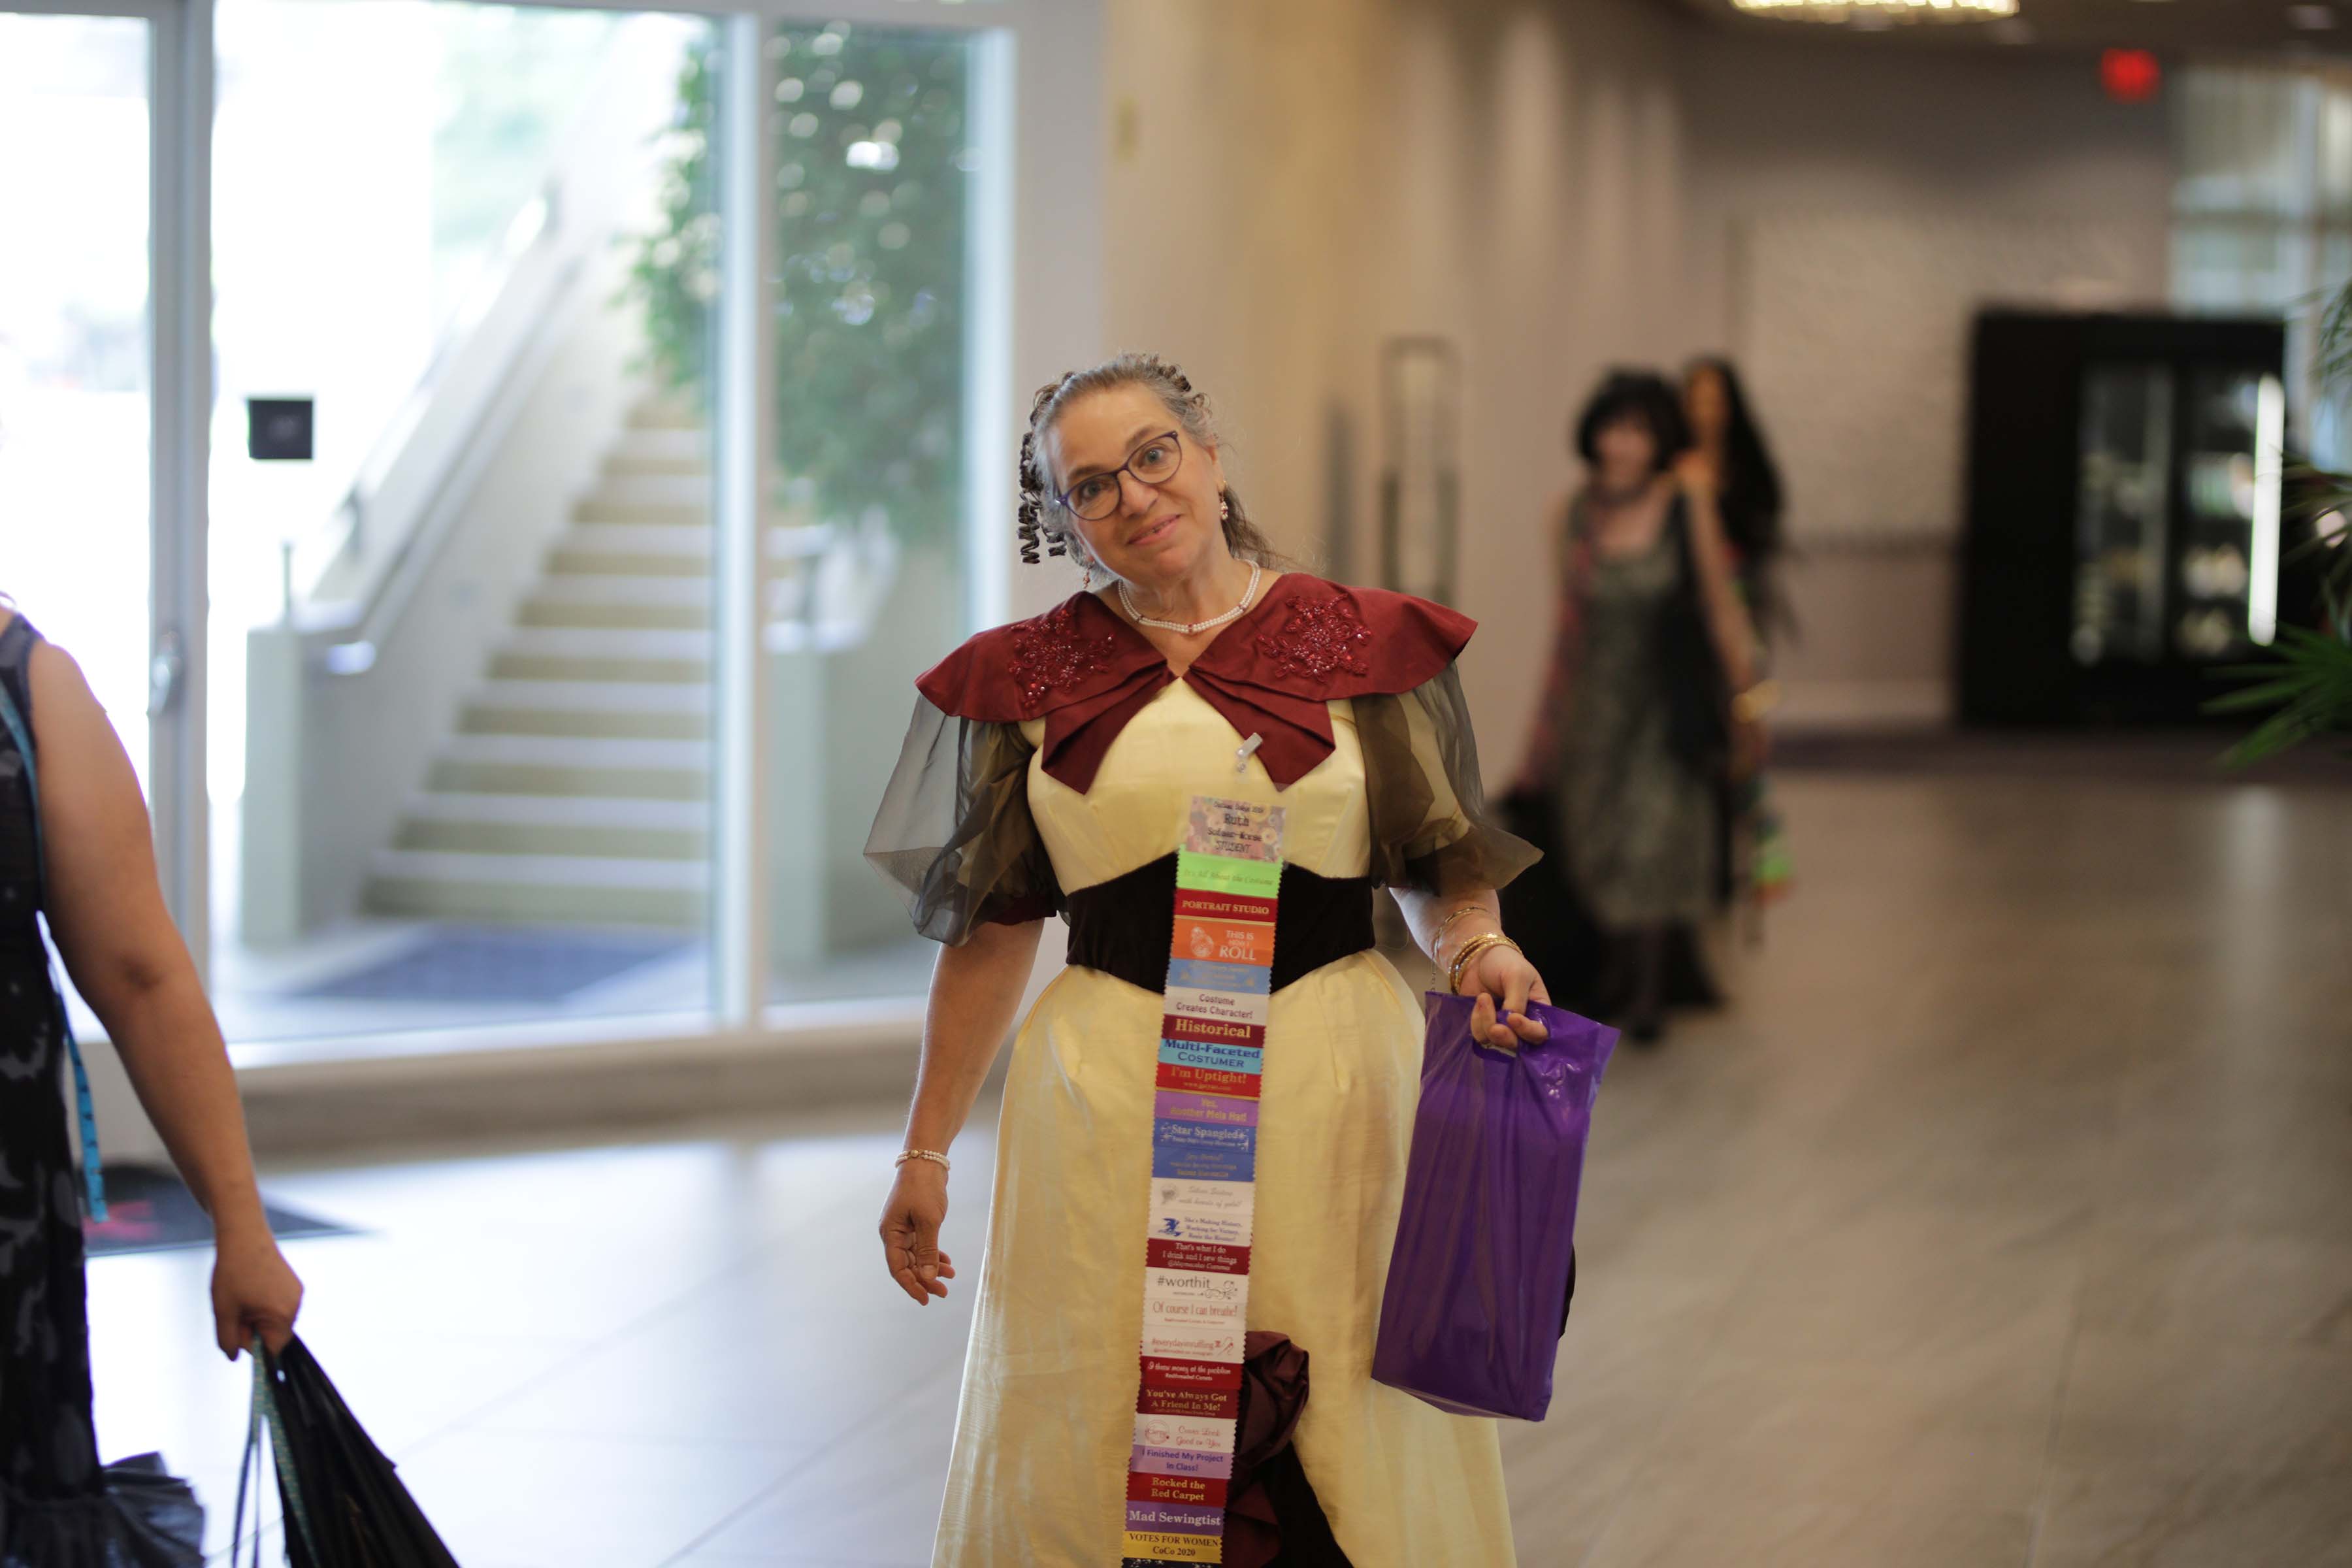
{"points": [[164, 671]]}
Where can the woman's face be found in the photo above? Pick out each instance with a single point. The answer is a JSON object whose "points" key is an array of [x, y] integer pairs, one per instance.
{"points": [[1626, 452], [1159, 533], [1706, 402]]}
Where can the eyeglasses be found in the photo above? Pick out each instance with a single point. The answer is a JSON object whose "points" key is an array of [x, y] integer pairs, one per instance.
{"points": [[1155, 462]]}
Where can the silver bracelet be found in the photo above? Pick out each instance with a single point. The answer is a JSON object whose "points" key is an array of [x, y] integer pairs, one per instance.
{"points": [[907, 1154]]}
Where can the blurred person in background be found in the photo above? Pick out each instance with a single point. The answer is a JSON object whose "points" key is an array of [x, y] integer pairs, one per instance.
{"points": [[1649, 705], [86, 864], [1729, 447]]}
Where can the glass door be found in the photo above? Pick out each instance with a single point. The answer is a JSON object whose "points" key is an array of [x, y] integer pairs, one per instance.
{"points": [[77, 390], [2225, 584], [2125, 497], [100, 533]]}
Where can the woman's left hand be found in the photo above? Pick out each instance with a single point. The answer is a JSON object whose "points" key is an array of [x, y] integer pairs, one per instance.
{"points": [[1505, 973]]}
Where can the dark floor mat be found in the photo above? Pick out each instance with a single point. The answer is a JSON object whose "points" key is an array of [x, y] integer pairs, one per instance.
{"points": [[526, 964], [149, 1210]]}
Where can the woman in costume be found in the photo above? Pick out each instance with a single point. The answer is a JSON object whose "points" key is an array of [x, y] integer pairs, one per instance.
{"points": [[1202, 1146], [85, 863], [1651, 699]]}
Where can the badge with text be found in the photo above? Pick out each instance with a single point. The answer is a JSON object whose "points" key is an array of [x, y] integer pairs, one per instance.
{"points": [[1205, 1109]]}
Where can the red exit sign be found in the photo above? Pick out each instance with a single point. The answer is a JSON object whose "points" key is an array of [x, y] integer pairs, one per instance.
{"points": [[2130, 76]]}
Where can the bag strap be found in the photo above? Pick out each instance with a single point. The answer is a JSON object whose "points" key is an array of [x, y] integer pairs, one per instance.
{"points": [[249, 1470], [265, 1414], [93, 1169]]}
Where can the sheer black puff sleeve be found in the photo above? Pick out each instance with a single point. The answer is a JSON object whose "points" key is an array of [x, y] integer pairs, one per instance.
{"points": [[1431, 829], [954, 830]]}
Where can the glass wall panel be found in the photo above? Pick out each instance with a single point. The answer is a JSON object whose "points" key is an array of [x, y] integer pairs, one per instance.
{"points": [[873, 163], [75, 350], [461, 652]]}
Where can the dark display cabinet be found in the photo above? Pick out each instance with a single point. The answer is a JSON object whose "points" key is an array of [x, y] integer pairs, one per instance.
{"points": [[2124, 514]]}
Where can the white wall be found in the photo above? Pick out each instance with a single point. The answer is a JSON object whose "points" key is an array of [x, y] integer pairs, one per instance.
{"points": [[1292, 186], [1948, 179], [1560, 187]]}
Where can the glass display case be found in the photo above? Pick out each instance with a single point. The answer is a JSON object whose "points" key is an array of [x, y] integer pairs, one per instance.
{"points": [[2124, 513]]}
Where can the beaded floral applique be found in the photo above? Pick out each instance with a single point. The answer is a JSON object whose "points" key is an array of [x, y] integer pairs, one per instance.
{"points": [[1049, 651], [1318, 638]]}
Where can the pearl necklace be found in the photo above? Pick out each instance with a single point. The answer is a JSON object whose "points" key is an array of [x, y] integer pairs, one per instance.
{"points": [[1192, 629]]}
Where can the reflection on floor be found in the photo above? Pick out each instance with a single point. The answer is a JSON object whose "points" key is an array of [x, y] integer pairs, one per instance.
{"points": [[2005, 1219]]}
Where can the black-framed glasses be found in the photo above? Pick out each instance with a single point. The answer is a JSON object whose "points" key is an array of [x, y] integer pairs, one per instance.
{"points": [[1155, 462]]}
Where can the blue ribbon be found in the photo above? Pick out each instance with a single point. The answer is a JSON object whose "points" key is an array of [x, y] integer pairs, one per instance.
{"points": [[92, 1170]]}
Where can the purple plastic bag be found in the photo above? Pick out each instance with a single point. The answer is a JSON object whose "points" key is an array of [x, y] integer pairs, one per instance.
{"points": [[1478, 1282]]}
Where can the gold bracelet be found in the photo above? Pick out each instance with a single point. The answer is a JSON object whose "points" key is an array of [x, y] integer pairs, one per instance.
{"points": [[1470, 950], [907, 1154], [1438, 938], [1758, 699]]}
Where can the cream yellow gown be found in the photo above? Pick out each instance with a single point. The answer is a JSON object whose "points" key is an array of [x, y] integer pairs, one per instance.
{"points": [[1042, 1433]]}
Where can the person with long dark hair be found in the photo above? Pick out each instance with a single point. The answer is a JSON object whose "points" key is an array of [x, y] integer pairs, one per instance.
{"points": [[1728, 444], [1649, 702]]}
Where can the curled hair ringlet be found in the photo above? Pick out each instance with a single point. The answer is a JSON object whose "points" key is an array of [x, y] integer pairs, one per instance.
{"points": [[1048, 528]]}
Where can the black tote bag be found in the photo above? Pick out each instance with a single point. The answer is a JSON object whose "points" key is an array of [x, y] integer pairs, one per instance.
{"points": [[344, 1504]]}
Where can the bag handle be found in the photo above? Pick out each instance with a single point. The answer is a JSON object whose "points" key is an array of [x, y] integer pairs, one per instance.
{"points": [[93, 1171], [265, 1414]]}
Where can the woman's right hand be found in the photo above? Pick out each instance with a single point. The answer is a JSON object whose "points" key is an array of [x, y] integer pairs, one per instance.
{"points": [[910, 1231]]}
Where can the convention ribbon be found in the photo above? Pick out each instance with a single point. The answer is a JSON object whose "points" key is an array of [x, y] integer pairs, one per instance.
{"points": [[1204, 1184], [93, 1172]]}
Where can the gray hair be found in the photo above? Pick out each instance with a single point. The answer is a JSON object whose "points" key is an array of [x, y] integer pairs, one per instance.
{"points": [[1047, 528]]}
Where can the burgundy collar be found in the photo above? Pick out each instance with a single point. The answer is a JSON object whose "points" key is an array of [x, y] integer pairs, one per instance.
{"points": [[1305, 643]]}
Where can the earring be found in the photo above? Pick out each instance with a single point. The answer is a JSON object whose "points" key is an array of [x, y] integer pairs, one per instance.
{"points": [[1224, 511]]}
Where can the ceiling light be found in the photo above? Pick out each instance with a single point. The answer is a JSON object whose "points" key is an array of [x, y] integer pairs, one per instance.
{"points": [[1870, 13]]}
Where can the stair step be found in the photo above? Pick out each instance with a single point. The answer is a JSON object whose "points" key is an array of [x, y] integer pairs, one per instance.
{"points": [[565, 888], [649, 711], [664, 550], [672, 450], [664, 413], [575, 811], [636, 550], [605, 697], [623, 654], [607, 829], [669, 499], [573, 766], [677, 603]]}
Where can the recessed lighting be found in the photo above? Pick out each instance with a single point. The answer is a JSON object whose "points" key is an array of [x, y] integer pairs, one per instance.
{"points": [[1871, 22], [2311, 18]]}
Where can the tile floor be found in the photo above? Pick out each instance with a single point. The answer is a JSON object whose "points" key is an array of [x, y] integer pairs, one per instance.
{"points": [[2006, 1219]]}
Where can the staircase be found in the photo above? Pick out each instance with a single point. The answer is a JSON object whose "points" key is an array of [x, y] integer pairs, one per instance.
{"points": [[577, 787]]}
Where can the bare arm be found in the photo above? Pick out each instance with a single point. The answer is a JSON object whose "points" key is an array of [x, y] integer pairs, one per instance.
{"points": [[106, 910], [974, 991], [1727, 616]]}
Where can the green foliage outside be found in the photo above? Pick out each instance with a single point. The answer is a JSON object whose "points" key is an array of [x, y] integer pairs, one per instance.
{"points": [[870, 211], [2305, 685]]}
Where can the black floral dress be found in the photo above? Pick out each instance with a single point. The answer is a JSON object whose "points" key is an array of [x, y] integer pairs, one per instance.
{"points": [[58, 1507]]}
